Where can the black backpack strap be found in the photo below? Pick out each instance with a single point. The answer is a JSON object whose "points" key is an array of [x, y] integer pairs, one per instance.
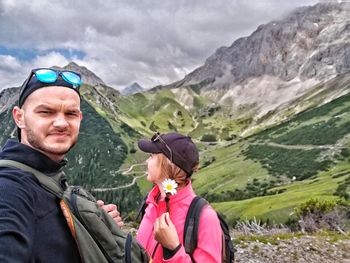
{"points": [[229, 248], [45, 181], [192, 225], [128, 248], [142, 209]]}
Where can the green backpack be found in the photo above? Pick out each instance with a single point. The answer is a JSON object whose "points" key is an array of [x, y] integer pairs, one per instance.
{"points": [[98, 237]]}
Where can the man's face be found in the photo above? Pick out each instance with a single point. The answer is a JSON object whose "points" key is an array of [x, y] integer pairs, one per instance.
{"points": [[51, 120]]}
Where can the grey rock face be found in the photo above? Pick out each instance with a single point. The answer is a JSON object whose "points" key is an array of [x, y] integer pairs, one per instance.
{"points": [[312, 42], [132, 89], [278, 64], [8, 97], [88, 76]]}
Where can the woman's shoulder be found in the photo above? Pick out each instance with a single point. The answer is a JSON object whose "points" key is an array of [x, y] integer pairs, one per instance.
{"points": [[209, 215]]}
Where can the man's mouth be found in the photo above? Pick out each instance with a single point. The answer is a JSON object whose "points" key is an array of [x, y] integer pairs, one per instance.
{"points": [[59, 134]]}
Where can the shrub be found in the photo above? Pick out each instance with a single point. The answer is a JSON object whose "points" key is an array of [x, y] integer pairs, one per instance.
{"points": [[132, 150], [317, 214], [297, 163], [208, 162], [171, 126], [343, 189], [208, 138], [153, 127]]}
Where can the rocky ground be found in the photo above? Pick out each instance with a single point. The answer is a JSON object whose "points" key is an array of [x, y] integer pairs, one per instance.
{"points": [[301, 249], [286, 247]]}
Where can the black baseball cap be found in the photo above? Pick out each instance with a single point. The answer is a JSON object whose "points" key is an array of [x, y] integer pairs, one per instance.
{"points": [[33, 83], [178, 148]]}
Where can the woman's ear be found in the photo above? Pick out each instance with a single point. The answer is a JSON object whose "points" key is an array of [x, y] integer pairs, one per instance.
{"points": [[18, 117]]}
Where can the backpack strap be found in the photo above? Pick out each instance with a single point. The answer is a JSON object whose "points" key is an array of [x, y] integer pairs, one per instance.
{"points": [[192, 225], [142, 209], [228, 250], [47, 182], [128, 249]]}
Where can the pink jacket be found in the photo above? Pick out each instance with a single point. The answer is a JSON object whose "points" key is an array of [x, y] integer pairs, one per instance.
{"points": [[209, 234]]}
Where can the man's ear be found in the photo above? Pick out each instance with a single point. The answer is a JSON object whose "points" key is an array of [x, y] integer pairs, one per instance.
{"points": [[18, 117]]}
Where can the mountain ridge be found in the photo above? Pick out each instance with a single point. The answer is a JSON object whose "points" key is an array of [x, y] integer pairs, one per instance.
{"points": [[279, 62]]}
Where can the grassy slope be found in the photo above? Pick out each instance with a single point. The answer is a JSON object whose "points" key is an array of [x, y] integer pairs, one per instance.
{"points": [[232, 169], [278, 207]]}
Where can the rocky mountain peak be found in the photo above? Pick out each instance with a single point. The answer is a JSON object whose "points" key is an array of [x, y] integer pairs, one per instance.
{"points": [[132, 89], [279, 62], [88, 76], [310, 42]]}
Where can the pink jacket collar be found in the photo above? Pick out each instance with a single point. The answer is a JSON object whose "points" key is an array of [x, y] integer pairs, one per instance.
{"points": [[178, 197]]}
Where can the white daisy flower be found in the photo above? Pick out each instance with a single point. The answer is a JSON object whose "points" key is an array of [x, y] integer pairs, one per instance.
{"points": [[169, 186]]}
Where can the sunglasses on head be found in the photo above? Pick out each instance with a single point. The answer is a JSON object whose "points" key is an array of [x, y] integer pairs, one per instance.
{"points": [[48, 75], [157, 137]]}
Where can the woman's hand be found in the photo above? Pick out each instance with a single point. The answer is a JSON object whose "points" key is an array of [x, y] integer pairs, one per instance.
{"points": [[165, 232], [112, 210]]}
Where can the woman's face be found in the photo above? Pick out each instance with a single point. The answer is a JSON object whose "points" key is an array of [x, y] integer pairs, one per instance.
{"points": [[154, 171]]}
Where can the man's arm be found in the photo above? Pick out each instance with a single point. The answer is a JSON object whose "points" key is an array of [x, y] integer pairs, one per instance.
{"points": [[16, 222]]}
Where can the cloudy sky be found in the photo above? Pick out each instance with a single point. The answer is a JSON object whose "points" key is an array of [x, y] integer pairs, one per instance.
{"points": [[150, 42]]}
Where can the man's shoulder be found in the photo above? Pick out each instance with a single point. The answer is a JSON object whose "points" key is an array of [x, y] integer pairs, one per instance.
{"points": [[15, 178]]}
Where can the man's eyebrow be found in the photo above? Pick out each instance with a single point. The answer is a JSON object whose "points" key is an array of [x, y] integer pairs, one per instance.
{"points": [[75, 110], [44, 106]]}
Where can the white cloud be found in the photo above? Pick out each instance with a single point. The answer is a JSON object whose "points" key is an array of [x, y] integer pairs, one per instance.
{"points": [[48, 60], [11, 72], [151, 42]]}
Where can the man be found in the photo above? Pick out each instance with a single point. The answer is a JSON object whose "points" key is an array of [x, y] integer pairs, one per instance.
{"points": [[48, 116]]}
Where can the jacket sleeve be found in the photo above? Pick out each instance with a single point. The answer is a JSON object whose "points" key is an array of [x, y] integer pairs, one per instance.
{"points": [[209, 241], [16, 222]]}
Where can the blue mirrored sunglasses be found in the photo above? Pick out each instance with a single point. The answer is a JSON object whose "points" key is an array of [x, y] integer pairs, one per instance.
{"points": [[48, 75]]}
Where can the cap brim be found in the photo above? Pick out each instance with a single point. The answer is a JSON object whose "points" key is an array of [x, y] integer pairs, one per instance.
{"points": [[148, 146]]}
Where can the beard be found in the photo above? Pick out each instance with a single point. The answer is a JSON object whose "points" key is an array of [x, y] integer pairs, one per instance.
{"points": [[50, 149]]}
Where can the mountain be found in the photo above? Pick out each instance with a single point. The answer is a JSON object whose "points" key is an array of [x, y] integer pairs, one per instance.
{"points": [[276, 65], [89, 78], [270, 115], [132, 89]]}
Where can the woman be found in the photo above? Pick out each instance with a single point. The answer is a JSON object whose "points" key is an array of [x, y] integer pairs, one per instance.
{"points": [[174, 157]]}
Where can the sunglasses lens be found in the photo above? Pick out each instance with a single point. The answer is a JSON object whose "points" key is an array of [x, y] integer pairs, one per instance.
{"points": [[46, 75], [154, 137], [71, 77]]}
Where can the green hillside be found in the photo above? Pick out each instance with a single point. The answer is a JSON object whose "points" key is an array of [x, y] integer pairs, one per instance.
{"points": [[270, 173]]}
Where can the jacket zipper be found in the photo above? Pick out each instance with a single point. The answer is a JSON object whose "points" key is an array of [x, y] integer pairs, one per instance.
{"points": [[155, 249]]}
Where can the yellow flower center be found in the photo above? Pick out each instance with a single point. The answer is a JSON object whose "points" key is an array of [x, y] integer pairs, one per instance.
{"points": [[169, 187]]}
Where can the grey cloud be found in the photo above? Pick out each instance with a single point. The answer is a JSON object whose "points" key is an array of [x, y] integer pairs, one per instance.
{"points": [[150, 42]]}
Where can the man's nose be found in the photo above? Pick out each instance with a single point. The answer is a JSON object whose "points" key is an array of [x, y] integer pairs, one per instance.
{"points": [[60, 122]]}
